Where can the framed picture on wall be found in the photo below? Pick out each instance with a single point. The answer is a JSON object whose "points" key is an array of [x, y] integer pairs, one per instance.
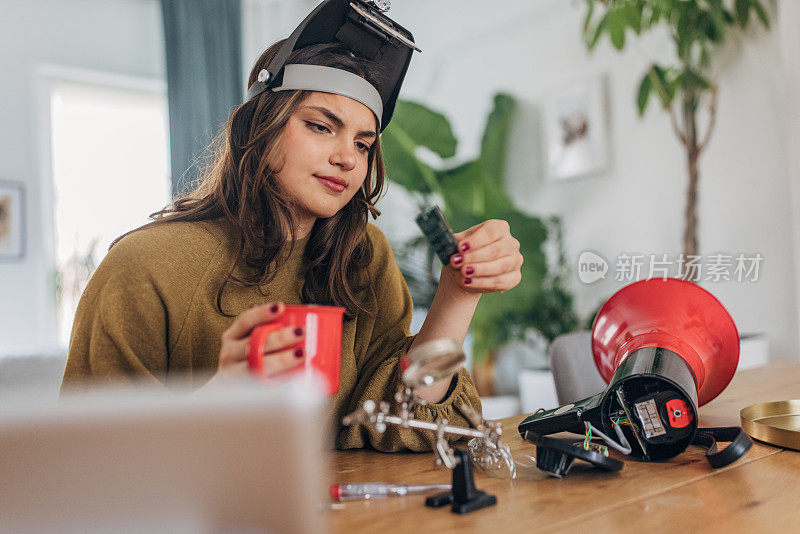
{"points": [[576, 131], [12, 221]]}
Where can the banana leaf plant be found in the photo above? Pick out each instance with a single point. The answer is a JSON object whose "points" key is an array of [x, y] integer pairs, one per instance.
{"points": [[469, 193]]}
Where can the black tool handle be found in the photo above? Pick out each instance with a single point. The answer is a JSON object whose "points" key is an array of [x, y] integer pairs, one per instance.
{"points": [[433, 224]]}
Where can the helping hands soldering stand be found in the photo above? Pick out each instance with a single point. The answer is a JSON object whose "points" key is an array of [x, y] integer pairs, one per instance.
{"points": [[429, 362]]}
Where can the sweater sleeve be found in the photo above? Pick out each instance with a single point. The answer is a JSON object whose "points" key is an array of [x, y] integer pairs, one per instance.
{"points": [[135, 308], [379, 376], [120, 330]]}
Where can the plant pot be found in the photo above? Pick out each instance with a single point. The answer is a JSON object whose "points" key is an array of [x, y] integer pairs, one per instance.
{"points": [[483, 376], [537, 389], [510, 360], [753, 351], [500, 406]]}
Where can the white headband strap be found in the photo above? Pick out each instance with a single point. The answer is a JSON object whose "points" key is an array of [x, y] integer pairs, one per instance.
{"points": [[332, 80]]}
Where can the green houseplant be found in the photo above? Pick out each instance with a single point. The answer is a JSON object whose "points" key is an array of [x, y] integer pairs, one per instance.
{"points": [[471, 192], [699, 29]]}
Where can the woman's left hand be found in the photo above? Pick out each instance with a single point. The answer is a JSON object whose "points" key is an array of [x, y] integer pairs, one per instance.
{"points": [[488, 258]]}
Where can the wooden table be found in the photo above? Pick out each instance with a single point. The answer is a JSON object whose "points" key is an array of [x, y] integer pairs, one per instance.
{"points": [[760, 492]]}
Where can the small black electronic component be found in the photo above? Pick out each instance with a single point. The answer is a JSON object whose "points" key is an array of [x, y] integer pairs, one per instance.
{"points": [[438, 232]]}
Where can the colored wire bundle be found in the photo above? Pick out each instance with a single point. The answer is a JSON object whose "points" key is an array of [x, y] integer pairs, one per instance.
{"points": [[591, 446], [623, 446], [624, 421]]}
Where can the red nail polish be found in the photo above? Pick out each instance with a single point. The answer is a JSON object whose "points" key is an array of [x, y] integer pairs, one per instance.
{"points": [[298, 353], [469, 270], [274, 308], [458, 259], [298, 331], [464, 247], [467, 280]]}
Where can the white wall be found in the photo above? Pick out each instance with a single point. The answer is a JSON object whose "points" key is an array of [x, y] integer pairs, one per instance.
{"points": [[266, 21], [790, 54], [530, 48], [114, 36]]}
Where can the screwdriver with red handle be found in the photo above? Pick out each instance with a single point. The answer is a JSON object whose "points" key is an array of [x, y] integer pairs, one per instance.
{"points": [[380, 490]]}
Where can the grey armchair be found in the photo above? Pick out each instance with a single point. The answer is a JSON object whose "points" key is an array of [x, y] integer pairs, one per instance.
{"points": [[572, 365]]}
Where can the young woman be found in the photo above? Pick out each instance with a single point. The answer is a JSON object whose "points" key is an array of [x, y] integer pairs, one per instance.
{"points": [[280, 216]]}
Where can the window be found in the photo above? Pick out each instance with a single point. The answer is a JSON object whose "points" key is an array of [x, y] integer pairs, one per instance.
{"points": [[110, 171]]}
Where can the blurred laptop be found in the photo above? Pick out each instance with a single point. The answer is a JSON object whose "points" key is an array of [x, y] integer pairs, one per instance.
{"points": [[242, 458]]}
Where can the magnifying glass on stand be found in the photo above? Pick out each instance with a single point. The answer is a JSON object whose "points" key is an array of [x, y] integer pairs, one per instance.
{"points": [[422, 366], [431, 361]]}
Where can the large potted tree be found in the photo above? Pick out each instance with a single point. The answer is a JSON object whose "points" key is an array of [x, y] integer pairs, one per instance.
{"points": [[687, 88]]}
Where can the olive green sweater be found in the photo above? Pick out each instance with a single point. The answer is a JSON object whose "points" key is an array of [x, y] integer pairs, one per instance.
{"points": [[149, 314]]}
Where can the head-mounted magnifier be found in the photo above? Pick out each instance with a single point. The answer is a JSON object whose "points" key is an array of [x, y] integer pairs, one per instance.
{"points": [[368, 33]]}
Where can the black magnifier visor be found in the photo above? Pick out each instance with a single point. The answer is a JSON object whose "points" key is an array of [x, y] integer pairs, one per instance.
{"points": [[364, 30]]}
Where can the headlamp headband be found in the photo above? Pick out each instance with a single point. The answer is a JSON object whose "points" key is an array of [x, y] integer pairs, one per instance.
{"points": [[366, 32], [331, 80]]}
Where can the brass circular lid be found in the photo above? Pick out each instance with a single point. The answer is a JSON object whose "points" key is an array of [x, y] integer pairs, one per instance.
{"points": [[776, 423]]}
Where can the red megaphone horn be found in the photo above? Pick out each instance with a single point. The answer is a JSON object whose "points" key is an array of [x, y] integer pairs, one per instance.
{"points": [[675, 315], [665, 347]]}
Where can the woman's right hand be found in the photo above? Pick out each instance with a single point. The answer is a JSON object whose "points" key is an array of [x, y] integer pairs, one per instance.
{"points": [[278, 357]]}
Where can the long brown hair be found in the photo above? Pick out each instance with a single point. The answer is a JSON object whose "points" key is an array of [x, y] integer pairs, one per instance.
{"points": [[237, 184]]}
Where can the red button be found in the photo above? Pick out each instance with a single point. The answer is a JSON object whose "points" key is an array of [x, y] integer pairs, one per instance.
{"points": [[679, 414]]}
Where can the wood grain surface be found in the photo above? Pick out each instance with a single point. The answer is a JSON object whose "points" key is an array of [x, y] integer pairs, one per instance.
{"points": [[757, 493]]}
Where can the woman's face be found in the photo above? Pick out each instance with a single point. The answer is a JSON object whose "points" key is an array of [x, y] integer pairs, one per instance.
{"points": [[326, 150]]}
